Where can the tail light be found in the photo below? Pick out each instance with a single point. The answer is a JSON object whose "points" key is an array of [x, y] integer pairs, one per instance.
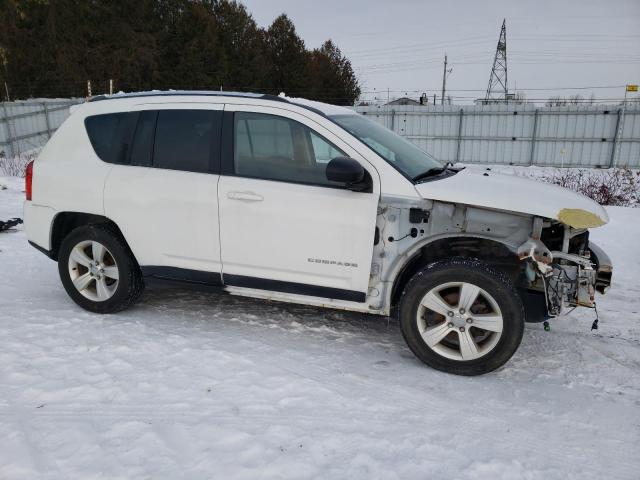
{"points": [[28, 180]]}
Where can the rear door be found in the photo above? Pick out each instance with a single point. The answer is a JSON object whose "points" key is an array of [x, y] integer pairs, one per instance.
{"points": [[284, 226], [164, 198]]}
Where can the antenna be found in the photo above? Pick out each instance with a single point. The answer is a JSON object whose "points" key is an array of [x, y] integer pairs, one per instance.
{"points": [[497, 89]]}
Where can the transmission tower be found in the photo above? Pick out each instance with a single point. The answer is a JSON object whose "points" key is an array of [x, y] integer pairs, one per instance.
{"points": [[497, 89]]}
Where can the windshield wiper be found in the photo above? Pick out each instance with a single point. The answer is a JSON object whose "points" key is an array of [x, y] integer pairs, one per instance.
{"points": [[433, 172]]}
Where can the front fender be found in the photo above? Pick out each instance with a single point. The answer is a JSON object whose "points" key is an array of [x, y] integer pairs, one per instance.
{"points": [[604, 268], [403, 263]]}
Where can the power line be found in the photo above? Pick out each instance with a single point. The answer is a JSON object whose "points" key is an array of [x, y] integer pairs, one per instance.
{"points": [[463, 64], [474, 40], [328, 94], [521, 58], [421, 44], [519, 89], [104, 85]]}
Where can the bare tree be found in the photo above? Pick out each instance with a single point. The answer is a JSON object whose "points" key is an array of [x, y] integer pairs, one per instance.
{"points": [[575, 99], [556, 102]]}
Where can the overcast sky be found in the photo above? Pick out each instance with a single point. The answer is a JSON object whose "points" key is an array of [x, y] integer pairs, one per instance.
{"points": [[400, 44]]}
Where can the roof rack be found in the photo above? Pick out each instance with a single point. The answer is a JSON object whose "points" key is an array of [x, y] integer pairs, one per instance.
{"points": [[176, 93], [207, 93]]}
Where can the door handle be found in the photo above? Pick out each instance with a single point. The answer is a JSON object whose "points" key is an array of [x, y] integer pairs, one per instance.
{"points": [[246, 196]]}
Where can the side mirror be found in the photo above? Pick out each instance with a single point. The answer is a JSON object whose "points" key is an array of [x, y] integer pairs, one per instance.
{"points": [[349, 172]]}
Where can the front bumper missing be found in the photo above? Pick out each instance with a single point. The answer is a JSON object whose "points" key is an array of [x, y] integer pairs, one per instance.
{"points": [[567, 280]]}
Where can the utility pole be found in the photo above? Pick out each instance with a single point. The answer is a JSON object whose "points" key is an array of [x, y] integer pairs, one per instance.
{"points": [[445, 73], [444, 79]]}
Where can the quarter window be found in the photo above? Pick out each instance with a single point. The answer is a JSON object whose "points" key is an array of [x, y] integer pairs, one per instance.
{"points": [[109, 135], [277, 148]]}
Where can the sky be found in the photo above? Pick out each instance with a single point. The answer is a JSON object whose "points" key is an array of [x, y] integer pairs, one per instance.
{"points": [[397, 47]]}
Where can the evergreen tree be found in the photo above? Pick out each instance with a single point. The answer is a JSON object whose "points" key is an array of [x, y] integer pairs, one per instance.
{"points": [[50, 48], [243, 50], [333, 80], [287, 58], [189, 52]]}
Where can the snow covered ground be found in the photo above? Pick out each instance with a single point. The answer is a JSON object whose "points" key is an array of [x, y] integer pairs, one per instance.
{"points": [[193, 385]]}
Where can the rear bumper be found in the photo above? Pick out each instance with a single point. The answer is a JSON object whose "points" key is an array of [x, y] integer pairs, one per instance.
{"points": [[37, 224]]}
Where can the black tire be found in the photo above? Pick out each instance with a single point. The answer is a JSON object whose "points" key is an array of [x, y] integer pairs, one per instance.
{"points": [[475, 272], [130, 284]]}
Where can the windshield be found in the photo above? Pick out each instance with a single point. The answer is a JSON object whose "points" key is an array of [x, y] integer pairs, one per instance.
{"points": [[400, 153]]}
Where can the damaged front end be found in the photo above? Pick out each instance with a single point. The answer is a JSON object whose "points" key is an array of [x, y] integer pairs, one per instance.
{"points": [[562, 263]]}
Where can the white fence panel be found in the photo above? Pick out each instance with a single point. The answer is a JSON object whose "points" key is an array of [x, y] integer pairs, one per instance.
{"points": [[573, 136], [29, 124]]}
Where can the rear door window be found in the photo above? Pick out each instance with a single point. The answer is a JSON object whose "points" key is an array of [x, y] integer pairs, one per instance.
{"points": [[183, 140], [142, 146]]}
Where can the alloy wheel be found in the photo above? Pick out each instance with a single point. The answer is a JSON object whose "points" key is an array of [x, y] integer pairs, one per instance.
{"points": [[459, 321], [93, 271]]}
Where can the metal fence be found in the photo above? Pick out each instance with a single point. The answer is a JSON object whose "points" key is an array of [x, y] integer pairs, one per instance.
{"points": [[28, 125], [574, 136]]}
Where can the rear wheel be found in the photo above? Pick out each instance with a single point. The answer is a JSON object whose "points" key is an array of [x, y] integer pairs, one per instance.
{"points": [[461, 316], [97, 269]]}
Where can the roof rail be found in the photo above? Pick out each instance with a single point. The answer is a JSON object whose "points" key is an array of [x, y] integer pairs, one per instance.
{"points": [[176, 93], [208, 93]]}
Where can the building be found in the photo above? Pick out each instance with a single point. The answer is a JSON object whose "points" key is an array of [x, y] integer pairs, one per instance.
{"points": [[403, 101]]}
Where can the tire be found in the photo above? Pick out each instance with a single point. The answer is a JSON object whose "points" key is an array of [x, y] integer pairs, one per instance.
{"points": [[439, 333], [109, 286]]}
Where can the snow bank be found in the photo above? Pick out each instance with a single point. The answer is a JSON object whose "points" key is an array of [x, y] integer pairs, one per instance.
{"points": [[194, 385]]}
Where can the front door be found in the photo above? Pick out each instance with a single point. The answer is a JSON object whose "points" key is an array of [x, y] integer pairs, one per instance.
{"points": [[283, 226]]}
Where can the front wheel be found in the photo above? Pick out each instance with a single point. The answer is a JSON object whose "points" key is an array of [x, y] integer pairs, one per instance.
{"points": [[97, 269], [461, 316]]}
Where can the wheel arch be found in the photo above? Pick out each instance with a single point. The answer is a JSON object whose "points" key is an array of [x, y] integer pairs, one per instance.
{"points": [[65, 222], [499, 254]]}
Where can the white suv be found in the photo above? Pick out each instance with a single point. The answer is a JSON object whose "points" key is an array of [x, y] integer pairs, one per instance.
{"points": [[298, 201]]}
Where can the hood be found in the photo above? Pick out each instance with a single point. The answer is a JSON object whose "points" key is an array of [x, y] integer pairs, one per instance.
{"points": [[516, 194]]}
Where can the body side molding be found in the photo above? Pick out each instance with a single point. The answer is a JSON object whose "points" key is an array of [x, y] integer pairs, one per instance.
{"points": [[182, 275], [294, 288]]}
